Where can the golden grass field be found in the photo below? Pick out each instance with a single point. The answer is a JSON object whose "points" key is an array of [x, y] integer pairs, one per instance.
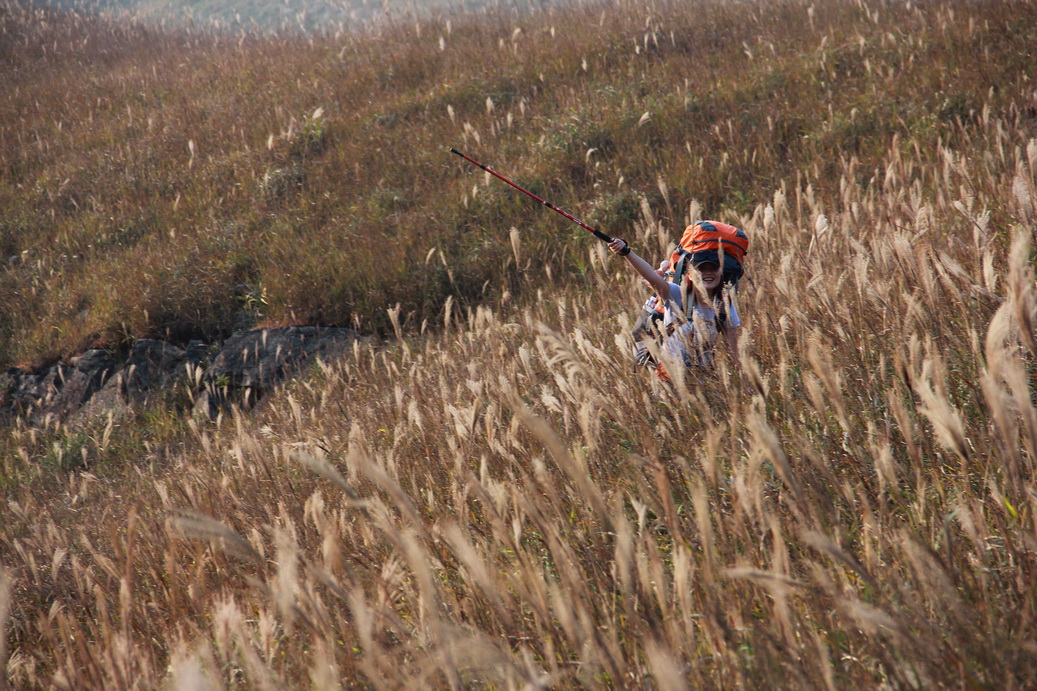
{"points": [[495, 498]]}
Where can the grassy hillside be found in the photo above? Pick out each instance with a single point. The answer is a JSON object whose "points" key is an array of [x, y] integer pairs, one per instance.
{"points": [[180, 184], [498, 500]]}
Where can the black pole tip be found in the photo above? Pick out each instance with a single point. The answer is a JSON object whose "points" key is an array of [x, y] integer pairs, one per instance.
{"points": [[454, 151]]}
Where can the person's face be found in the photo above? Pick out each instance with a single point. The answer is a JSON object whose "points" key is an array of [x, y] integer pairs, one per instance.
{"points": [[710, 275]]}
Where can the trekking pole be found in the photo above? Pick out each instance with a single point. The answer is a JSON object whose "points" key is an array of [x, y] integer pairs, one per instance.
{"points": [[600, 235]]}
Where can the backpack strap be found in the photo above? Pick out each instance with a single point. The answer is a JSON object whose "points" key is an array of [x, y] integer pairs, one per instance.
{"points": [[681, 266]]}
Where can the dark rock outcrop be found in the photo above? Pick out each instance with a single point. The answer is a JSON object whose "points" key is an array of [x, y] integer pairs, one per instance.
{"points": [[152, 369], [59, 390], [250, 363], [154, 365], [240, 372]]}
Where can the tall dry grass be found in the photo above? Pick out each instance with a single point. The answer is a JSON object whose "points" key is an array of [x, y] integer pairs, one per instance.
{"points": [[505, 502]]}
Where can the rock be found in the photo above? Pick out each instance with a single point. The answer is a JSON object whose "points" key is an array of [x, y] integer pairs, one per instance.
{"points": [[245, 368], [27, 390], [151, 369], [251, 363], [155, 365], [88, 373], [108, 401], [58, 390]]}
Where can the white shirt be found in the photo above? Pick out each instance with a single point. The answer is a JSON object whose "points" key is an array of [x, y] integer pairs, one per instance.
{"points": [[692, 336]]}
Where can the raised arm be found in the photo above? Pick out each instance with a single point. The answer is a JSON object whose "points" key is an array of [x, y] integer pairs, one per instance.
{"points": [[654, 279]]}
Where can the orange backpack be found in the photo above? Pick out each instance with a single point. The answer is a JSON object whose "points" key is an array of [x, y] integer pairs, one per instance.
{"points": [[709, 241]]}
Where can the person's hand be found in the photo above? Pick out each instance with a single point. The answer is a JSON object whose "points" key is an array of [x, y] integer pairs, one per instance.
{"points": [[619, 246]]}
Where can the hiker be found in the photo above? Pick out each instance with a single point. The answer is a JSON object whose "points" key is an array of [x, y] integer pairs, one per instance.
{"points": [[690, 333]]}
